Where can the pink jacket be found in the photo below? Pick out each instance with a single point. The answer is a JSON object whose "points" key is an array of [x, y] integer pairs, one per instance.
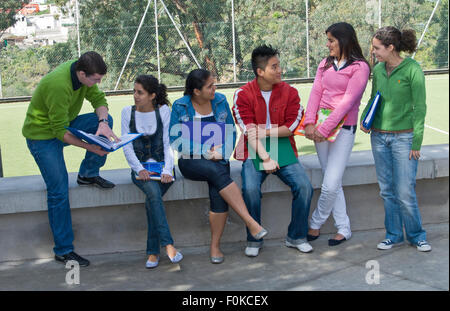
{"points": [[338, 90]]}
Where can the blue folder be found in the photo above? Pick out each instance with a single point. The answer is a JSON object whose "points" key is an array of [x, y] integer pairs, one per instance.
{"points": [[201, 132], [370, 115], [154, 167]]}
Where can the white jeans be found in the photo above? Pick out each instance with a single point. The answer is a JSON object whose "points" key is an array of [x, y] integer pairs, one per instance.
{"points": [[333, 157]]}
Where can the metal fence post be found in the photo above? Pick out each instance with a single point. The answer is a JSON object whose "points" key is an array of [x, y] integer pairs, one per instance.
{"points": [[379, 13], [1, 167], [307, 38], [77, 16], [1, 91], [157, 40], [234, 41]]}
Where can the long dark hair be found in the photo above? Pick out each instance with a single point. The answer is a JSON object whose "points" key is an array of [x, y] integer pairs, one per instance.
{"points": [[152, 85], [196, 79], [348, 44]]}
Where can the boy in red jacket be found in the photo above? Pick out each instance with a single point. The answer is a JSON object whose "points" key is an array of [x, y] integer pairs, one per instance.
{"points": [[268, 107]]}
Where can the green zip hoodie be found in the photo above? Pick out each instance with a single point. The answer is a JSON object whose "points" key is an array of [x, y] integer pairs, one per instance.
{"points": [[403, 104], [55, 103]]}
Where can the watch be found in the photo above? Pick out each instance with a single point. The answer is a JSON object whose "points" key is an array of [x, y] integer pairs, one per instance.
{"points": [[103, 120]]}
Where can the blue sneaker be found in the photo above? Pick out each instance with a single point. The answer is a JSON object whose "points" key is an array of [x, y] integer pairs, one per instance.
{"points": [[387, 244]]}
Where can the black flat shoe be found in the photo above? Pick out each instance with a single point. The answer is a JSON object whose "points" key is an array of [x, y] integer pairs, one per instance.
{"points": [[83, 262], [333, 242], [310, 237], [97, 181]]}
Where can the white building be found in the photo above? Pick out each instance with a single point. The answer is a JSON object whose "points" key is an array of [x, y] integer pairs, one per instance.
{"points": [[42, 29]]}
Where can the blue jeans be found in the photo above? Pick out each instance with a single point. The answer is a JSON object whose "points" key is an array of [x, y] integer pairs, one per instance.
{"points": [[49, 157], [91, 164], [292, 175], [158, 229], [396, 175]]}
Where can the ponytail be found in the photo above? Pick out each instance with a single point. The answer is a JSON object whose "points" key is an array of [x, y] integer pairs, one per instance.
{"points": [[161, 96], [401, 40], [151, 85], [408, 41]]}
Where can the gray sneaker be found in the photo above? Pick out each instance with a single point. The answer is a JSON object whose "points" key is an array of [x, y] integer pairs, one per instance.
{"points": [[423, 246], [387, 244], [252, 251], [304, 247]]}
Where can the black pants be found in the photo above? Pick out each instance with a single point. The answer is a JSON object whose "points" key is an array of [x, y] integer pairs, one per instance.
{"points": [[217, 174]]}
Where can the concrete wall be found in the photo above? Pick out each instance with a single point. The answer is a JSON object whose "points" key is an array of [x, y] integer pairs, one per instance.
{"points": [[114, 220]]}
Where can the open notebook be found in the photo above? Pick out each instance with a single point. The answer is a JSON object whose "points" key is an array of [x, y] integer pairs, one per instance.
{"points": [[103, 142]]}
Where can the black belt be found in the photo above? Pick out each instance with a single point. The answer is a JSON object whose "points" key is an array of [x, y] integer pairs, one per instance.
{"points": [[350, 127]]}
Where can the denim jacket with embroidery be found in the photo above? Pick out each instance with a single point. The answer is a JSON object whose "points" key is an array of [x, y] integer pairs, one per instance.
{"points": [[182, 111]]}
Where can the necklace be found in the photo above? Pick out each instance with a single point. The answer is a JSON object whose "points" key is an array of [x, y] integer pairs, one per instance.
{"points": [[390, 68]]}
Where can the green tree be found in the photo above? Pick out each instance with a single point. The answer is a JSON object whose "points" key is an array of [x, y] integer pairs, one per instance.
{"points": [[326, 12], [21, 70], [281, 24], [60, 52]]}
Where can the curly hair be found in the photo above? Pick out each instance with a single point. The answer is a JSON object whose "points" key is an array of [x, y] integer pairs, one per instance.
{"points": [[404, 40], [151, 85]]}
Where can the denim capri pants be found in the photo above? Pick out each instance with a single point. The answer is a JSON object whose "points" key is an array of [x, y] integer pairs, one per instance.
{"points": [[217, 174]]}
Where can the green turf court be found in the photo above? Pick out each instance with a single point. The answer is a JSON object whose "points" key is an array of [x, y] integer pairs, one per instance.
{"points": [[17, 160]]}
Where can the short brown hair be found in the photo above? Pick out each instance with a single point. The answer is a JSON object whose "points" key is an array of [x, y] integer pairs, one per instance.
{"points": [[91, 63]]}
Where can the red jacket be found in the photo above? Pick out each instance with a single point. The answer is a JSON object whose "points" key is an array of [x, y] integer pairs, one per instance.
{"points": [[250, 108]]}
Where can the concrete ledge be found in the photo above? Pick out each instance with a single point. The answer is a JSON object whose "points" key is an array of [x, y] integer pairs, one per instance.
{"points": [[28, 193], [114, 220]]}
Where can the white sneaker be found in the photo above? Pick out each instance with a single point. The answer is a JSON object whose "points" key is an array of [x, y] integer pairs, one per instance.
{"points": [[303, 247], [387, 244], [252, 251], [423, 246]]}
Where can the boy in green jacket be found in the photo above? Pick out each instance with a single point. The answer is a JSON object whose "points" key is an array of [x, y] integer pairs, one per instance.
{"points": [[55, 104]]}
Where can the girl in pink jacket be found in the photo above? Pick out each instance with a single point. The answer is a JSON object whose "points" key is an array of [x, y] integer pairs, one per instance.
{"points": [[339, 84]]}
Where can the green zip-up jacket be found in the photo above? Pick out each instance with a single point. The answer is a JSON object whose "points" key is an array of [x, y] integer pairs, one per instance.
{"points": [[403, 99], [55, 103]]}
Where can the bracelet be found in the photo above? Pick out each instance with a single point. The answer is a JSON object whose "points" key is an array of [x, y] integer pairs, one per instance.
{"points": [[103, 120], [266, 159]]}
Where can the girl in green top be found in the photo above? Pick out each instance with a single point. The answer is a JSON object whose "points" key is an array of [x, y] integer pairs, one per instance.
{"points": [[396, 134]]}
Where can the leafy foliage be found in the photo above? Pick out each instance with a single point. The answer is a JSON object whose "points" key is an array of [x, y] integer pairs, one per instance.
{"points": [[109, 27]]}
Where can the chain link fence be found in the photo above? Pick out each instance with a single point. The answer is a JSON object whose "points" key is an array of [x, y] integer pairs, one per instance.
{"points": [[170, 38]]}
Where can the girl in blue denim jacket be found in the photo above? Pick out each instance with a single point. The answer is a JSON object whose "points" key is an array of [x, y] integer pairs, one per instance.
{"points": [[208, 160]]}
